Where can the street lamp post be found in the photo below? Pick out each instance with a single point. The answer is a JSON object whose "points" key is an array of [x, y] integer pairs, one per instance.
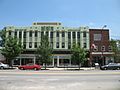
{"points": [[102, 56]]}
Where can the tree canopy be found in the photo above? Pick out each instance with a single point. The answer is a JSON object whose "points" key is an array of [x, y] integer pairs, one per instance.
{"points": [[115, 48], [78, 54], [12, 48], [44, 51]]}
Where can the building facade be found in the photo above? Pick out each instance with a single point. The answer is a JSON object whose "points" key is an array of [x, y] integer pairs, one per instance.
{"points": [[60, 38], [100, 49]]}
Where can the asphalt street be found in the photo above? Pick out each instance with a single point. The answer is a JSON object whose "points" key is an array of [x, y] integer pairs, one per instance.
{"points": [[59, 80]]}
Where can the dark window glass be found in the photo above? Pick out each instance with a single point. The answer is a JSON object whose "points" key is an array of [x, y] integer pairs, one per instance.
{"points": [[57, 45], [73, 33], [24, 34], [24, 45], [69, 45], [30, 34], [63, 45], [63, 34], [84, 45], [35, 44], [20, 34], [84, 34], [42, 33], [69, 35], [15, 35], [35, 33], [78, 35], [47, 33], [57, 35], [30, 44], [9, 33], [51, 34]]}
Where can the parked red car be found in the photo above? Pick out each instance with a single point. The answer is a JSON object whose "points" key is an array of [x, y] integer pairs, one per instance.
{"points": [[30, 66]]}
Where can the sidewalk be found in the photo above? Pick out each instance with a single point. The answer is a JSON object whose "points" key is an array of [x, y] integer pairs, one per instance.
{"points": [[82, 68]]}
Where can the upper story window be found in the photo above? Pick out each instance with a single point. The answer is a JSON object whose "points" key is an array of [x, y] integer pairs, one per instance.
{"points": [[84, 34], [30, 34], [110, 48], [57, 35], [63, 34], [103, 48], [78, 35], [95, 48], [51, 34], [57, 45], [63, 45], [69, 45], [73, 34], [30, 44], [20, 34], [15, 34], [24, 34], [97, 37], [35, 44], [47, 33], [35, 33], [9, 33], [85, 45], [69, 35]]}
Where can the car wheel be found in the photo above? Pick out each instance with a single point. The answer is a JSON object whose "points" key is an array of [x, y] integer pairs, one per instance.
{"points": [[118, 68], [1, 67], [35, 69], [105, 68], [22, 68]]}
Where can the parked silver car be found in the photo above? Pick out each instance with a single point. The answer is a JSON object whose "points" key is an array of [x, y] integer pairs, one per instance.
{"points": [[111, 66], [3, 66]]}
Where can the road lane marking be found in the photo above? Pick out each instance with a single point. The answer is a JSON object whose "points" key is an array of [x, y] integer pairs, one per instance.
{"points": [[58, 73]]}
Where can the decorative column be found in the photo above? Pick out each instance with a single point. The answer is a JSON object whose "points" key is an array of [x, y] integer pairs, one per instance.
{"points": [[27, 40], [33, 39], [53, 62], [60, 40], [81, 39], [76, 37], [54, 40], [57, 61], [22, 37], [66, 40], [71, 39]]}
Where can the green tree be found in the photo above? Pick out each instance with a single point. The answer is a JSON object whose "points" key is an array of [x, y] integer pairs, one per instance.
{"points": [[115, 49], [3, 37], [12, 48], [78, 54], [44, 51]]}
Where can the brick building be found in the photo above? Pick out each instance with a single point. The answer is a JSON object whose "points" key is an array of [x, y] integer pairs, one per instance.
{"points": [[100, 49]]}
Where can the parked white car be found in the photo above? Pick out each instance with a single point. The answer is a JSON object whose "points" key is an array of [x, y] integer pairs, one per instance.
{"points": [[3, 66]]}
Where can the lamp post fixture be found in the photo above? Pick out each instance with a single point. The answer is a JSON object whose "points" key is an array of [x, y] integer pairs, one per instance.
{"points": [[102, 56]]}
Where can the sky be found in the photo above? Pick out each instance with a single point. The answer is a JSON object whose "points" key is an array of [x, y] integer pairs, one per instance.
{"points": [[71, 13]]}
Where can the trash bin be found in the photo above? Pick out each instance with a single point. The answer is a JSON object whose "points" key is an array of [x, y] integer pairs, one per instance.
{"points": [[96, 65]]}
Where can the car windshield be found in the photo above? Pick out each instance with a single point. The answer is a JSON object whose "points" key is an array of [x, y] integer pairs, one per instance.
{"points": [[30, 64], [112, 63]]}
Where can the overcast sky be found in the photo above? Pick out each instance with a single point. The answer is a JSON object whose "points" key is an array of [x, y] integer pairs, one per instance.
{"points": [[71, 13]]}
